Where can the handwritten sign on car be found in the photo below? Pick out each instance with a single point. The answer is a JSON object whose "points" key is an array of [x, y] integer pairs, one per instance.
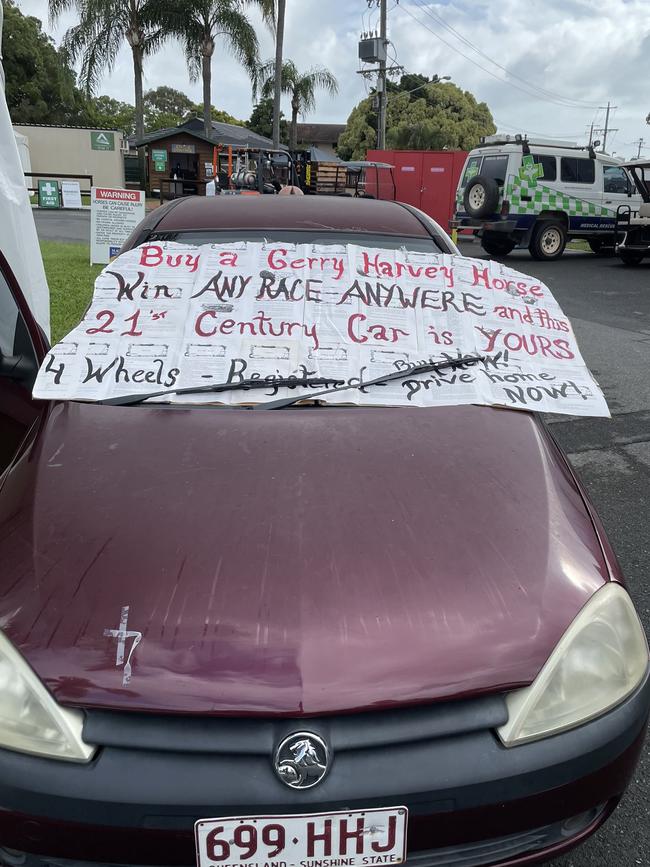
{"points": [[168, 315]]}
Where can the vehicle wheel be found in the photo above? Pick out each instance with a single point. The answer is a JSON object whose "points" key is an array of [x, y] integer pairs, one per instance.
{"points": [[548, 241], [600, 248], [481, 197], [629, 258], [497, 246]]}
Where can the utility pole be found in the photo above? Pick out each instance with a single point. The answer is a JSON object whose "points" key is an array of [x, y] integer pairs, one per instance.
{"points": [[381, 80], [374, 49], [607, 129], [591, 133], [638, 155]]}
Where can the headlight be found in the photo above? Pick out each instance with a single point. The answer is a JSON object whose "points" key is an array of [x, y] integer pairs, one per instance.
{"points": [[30, 719], [599, 661]]}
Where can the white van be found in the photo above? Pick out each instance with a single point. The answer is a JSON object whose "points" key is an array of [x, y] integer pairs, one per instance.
{"points": [[539, 194]]}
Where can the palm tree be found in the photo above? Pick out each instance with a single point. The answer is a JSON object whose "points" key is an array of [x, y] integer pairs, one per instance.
{"points": [[104, 25], [199, 24], [301, 86]]}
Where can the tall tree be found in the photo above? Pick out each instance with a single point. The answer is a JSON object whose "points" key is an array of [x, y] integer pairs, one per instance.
{"points": [[108, 112], [301, 87], [104, 25], [261, 121], [40, 84], [277, 84], [217, 114], [421, 115], [200, 24], [166, 106]]}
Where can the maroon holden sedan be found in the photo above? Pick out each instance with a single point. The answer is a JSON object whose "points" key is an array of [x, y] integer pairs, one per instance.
{"points": [[314, 637]]}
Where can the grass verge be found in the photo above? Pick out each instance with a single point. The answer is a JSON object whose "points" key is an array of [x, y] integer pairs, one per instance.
{"points": [[579, 245], [71, 280]]}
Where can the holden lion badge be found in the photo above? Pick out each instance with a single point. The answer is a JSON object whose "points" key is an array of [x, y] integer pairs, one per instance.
{"points": [[302, 760]]}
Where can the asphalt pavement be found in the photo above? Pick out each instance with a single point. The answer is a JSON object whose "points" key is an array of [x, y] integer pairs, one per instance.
{"points": [[609, 306], [65, 226]]}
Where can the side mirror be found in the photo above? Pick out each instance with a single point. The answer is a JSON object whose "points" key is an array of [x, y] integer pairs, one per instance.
{"points": [[18, 367]]}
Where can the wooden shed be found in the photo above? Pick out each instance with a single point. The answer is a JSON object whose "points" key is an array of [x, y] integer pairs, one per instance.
{"points": [[186, 152]]}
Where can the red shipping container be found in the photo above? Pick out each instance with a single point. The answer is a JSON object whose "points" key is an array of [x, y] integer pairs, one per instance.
{"points": [[425, 179]]}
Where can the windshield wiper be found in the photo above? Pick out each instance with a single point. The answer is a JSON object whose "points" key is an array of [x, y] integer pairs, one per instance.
{"points": [[388, 377], [216, 388]]}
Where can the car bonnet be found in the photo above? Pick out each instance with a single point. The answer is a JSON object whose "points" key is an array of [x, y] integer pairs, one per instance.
{"points": [[306, 561]]}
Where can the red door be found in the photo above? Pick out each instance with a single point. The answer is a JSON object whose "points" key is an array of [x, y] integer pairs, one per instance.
{"points": [[439, 181], [408, 176]]}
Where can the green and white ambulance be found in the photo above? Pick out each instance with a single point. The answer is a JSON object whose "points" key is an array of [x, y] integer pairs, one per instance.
{"points": [[539, 194]]}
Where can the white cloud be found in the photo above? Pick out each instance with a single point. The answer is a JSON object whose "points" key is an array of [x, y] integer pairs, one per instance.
{"points": [[585, 50]]}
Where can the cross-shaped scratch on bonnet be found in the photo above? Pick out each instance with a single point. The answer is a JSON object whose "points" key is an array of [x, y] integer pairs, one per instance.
{"points": [[122, 634]]}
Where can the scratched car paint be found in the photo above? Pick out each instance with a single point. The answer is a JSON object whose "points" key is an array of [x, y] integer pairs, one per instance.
{"points": [[224, 619]]}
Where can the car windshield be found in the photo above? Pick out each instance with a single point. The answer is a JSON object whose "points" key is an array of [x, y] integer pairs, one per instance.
{"points": [[273, 322], [425, 244]]}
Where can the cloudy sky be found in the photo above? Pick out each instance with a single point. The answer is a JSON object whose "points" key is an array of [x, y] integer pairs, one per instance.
{"points": [[542, 66]]}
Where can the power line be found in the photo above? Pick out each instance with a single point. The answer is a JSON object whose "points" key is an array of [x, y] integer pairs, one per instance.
{"points": [[523, 129], [435, 80], [528, 93], [552, 97]]}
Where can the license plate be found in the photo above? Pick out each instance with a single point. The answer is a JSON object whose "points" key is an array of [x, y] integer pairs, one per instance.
{"points": [[356, 838]]}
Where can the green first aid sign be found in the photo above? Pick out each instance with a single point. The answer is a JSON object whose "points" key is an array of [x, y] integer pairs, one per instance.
{"points": [[530, 171], [48, 194], [102, 141]]}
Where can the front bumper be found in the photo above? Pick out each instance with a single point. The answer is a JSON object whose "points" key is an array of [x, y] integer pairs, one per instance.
{"points": [[136, 803]]}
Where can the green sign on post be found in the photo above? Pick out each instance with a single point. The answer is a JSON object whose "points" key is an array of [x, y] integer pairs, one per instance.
{"points": [[48, 194], [159, 156], [102, 141]]}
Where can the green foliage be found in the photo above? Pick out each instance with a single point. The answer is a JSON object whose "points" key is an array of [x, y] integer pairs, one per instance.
{"points": [[434, 116], [166, 106], [261, 120], [108, 112], [40, 85], [216, 114]]}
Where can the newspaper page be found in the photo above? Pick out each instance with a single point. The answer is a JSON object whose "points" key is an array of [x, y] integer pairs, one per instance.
{"points": [[169, 316]]}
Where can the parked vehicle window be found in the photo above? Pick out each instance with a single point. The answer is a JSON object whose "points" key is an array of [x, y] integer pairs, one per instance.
{"points": [[578, 171], [288, 236], [14, 336], [549, 164], [496, 168], [615, 180], [471, 170]]}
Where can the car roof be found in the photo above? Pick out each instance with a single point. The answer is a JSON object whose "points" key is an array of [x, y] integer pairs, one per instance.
{"points": [[334, 213]]}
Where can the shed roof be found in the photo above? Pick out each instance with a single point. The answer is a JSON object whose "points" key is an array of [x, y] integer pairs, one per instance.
{"points": [[222, 133]]}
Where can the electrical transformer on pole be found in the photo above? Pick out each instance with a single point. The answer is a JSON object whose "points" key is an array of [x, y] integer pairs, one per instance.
{"points": [[373, 48]]}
